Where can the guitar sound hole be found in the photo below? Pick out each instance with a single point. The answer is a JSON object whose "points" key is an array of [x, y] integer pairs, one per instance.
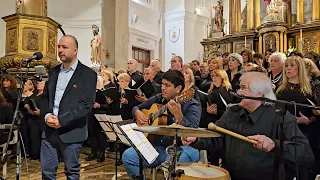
{"points": [[150, 119]]}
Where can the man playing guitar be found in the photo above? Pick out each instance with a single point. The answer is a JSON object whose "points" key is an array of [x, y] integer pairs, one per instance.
{"points": [[186, 114]]}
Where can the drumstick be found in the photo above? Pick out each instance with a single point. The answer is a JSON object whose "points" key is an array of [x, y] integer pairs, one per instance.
{"points": [[214, 127]]}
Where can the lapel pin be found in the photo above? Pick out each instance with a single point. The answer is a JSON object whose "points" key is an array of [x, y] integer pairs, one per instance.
{"points": [[74, 86]]}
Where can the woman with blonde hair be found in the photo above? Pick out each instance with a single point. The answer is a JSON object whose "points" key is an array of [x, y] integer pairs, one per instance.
{"points": [[215, 63], [126, 106], [189, 82], [107, 78], [296, 87], [218, 92]]}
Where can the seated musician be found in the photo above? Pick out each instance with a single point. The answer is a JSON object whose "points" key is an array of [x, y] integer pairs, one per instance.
{"points": [[260, 122], [186, 114]]}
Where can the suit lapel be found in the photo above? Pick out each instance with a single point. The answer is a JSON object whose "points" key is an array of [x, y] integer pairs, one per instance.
{"points": [[73, 79]]}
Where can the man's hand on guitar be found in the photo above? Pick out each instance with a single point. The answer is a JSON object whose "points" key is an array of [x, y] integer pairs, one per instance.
{"points": [[175, 109], [140, 117], [186, 141]]}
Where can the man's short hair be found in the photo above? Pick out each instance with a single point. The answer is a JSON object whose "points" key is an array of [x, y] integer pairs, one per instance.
{"points": [[74, 39], [180, 59], [175, 77], [196, 61]]}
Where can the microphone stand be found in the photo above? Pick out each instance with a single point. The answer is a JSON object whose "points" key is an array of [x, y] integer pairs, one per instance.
{"points": [[16, 121], [281, 111]]}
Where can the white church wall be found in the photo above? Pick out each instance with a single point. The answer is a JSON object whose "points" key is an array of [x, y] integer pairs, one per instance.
{"points": [[174, 21], [7, 7], [77, 22], [145, 31], [192, 28]]}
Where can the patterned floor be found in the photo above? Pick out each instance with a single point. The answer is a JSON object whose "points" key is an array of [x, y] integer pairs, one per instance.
{"points": [[89, 170]]}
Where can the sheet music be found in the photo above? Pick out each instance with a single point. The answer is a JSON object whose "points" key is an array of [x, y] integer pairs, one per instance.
{"points": [[114, 119], [105, 126], [104, 121], [141, 142]]}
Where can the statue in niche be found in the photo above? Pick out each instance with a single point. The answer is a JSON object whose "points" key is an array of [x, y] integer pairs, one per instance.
{"points": [[270, 42], [218, 15], [96, 46]]}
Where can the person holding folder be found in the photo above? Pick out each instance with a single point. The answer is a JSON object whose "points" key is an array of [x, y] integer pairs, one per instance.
{"points": [[155, 88], [127, 100]]}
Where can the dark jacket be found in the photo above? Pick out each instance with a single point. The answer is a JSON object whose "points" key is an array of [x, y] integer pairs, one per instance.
{"points": [[76, 102]]}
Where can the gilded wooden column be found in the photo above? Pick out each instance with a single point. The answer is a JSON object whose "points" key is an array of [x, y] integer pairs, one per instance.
{"points": [[315, 10], [300, 11], [32, 7], [281, 42], [289, 14], [250, 15], [257, 13], [285, 42], [238, 15], [231, 17], [260, 44]]}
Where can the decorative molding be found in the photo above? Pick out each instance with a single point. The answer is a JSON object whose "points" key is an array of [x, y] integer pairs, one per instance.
{"points": [[77, 23], [142, 40], [143, 34], [185, 15]]}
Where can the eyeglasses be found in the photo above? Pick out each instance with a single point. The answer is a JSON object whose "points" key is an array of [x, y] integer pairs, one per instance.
{"points": [[243, 88]]}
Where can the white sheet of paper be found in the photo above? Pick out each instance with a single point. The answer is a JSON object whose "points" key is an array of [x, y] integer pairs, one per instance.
{"points": [[141, 143]]}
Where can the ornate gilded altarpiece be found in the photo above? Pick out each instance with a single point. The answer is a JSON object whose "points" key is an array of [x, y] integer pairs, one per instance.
{"points": [[26, 34], [310, 37]]}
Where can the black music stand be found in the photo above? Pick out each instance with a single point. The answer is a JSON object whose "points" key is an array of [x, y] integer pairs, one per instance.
{"points": [[110, 128], [141, 155]]}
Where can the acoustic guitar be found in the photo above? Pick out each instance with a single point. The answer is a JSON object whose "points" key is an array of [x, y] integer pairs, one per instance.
{"points": [[155, 112]]}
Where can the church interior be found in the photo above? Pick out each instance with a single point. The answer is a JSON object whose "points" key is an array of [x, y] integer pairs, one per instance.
{"points": [[201, 35]]}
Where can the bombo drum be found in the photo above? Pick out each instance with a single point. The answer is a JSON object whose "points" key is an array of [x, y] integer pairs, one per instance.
{"points": [[197, 171]]}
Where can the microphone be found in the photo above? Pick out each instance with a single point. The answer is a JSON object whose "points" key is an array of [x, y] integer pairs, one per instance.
{"points": [[247, 97], [36, 56], [40, 78], [266, 101]]}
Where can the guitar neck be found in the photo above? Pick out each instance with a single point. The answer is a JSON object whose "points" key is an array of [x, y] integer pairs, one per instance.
{"points": [[159, 112]]}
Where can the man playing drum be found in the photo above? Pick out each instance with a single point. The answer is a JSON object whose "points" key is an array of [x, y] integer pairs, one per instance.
{"points": [[259, 122]]}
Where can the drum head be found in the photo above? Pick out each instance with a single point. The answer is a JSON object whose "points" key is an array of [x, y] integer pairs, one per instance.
{"points": [[203, 171]]}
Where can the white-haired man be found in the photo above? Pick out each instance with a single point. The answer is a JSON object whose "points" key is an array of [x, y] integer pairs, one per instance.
{"points": [[156, 66], [136, 76], [260, 122]]}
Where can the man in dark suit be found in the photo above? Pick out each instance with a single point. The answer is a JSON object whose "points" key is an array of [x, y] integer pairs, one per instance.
{"points": [[65, 103], [136, 76], [156, 67]]}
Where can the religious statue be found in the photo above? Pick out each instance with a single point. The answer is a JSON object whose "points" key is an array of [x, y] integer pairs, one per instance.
{"points": [[218, 15], [96, 46]]}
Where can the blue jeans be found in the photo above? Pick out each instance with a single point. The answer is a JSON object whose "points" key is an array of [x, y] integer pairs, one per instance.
{"points": [[49, 159], [130, 158]]}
